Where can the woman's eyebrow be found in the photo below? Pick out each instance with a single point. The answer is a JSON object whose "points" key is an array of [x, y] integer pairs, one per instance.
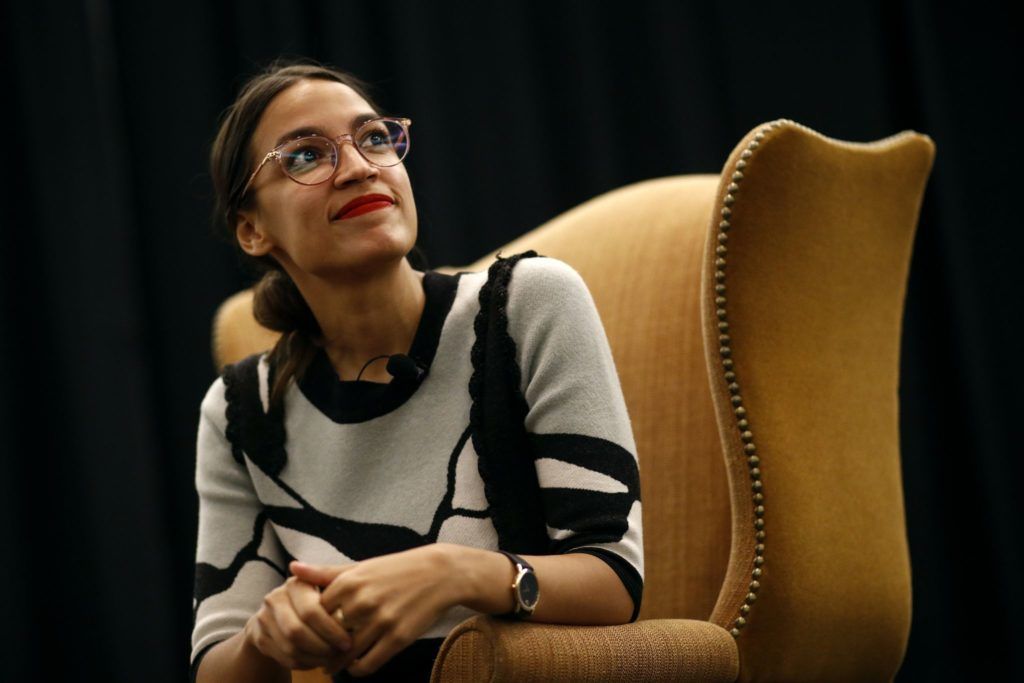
{"points": [[363, 118], [302, 131]]}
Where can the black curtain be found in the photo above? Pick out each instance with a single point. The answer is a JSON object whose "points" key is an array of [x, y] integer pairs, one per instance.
{"points": [[110, 275]]}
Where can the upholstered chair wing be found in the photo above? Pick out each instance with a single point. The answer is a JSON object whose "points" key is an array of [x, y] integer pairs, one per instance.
{"points": [[755, 318]]}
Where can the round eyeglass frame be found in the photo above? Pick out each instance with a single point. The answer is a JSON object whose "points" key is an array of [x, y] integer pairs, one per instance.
{"points": [[336, 143]]}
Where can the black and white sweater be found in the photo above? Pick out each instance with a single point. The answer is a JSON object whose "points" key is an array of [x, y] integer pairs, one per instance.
{"points": [[377, 468]]}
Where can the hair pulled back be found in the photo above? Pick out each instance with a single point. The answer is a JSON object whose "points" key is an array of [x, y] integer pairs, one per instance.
{"points": [[277, 302]]}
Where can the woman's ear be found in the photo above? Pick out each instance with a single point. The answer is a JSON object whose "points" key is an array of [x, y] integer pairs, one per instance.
{"points": [[253, 240]]}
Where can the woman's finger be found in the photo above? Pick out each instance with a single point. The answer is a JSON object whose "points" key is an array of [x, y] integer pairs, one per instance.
{"points": [[317, 574], [305, 600], [293, 636], [276, 645], [364, 637], [336, 592], [264, 641]]}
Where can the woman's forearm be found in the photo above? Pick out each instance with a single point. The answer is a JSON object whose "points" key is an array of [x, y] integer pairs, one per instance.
{"points": [[235, 659], [574, 588]]}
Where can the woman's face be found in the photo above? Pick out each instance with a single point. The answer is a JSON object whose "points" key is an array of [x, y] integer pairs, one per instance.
{"points": [[298, 224]]}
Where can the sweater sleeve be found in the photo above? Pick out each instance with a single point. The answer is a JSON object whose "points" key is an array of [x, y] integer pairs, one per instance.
{"points": [[239, 558], [577, 421]]}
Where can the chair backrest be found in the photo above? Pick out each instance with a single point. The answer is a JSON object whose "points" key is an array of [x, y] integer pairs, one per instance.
{"points": [[815, 248]]}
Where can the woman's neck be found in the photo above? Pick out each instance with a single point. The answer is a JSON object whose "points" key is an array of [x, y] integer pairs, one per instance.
{"points": [[365, 318]]}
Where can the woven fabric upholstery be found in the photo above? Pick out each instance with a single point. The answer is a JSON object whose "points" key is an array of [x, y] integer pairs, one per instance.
{"points": [[651, 650]]}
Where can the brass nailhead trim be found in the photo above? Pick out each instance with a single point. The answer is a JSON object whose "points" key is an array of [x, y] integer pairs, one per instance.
{"points": [[725, 350]]}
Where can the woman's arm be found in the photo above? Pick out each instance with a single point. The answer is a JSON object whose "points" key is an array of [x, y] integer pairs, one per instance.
{"points": [[568, 586], [578, 428], [236, 659]]}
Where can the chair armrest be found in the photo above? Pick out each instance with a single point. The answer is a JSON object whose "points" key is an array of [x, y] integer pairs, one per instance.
{"points": [[487, 649]]}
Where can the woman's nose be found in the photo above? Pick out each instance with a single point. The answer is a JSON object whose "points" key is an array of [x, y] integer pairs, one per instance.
{"points": [[352, 166]]}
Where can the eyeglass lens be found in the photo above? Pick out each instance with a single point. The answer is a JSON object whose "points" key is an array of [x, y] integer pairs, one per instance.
{"points": [[313, 159]]}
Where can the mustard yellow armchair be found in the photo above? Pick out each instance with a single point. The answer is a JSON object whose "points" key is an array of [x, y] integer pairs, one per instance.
{"points": [[755, 320]]}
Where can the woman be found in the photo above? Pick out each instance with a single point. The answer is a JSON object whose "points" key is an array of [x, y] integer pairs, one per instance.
{"points": [[350, 513]]}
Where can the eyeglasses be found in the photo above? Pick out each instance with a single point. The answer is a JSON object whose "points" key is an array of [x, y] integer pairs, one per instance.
{"points": [[312, 159]]}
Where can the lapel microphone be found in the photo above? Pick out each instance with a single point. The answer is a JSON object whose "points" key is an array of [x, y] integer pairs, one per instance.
{"points": [[404, 367], [400, 366]]}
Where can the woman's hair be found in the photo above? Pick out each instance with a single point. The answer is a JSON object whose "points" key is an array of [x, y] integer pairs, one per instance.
{"points": [[277, 302]]}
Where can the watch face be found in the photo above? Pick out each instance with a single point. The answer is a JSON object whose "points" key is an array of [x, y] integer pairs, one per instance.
{"points": [[529, 589]]}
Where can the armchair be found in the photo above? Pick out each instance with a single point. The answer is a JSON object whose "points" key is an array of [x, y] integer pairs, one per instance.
{"points": [[755, 319]]}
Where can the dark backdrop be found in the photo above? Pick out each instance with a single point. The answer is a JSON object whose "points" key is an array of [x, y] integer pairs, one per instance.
{"points": [[109, 275]]}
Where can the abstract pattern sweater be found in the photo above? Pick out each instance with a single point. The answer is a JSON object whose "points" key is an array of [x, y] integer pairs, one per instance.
{"points": [[371, 468]]}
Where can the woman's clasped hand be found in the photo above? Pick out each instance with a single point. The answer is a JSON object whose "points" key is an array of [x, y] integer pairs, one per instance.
{"points": [[385, 603]]}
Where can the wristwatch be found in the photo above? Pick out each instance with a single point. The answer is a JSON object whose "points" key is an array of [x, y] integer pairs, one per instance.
{"points": [[525, 588]]}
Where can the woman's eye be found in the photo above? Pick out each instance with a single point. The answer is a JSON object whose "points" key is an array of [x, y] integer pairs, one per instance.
{"points": [[375, 138], [301, 158]]}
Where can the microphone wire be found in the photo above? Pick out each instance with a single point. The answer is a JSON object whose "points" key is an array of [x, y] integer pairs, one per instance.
{"points": [[368, 363]]}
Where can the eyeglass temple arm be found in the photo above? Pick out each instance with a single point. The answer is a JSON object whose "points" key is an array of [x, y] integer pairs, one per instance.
{"points": [[270, 155]]}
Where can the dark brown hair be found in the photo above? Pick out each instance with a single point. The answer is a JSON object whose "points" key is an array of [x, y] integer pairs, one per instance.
{"points": [[277, 302]]}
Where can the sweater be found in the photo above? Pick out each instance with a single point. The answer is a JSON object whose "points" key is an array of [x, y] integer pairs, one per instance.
{"points": [[370, 468]]}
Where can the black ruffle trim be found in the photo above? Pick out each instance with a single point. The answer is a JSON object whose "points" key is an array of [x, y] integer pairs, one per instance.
{"points": [[496, 419], [232, 412]]}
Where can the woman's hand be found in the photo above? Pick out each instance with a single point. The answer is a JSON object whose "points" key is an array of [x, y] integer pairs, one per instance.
{"points": [[293, 628], [389, 601]]}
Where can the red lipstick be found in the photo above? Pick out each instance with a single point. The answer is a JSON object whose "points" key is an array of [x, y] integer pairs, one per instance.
{"points": [[364, 204]]}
